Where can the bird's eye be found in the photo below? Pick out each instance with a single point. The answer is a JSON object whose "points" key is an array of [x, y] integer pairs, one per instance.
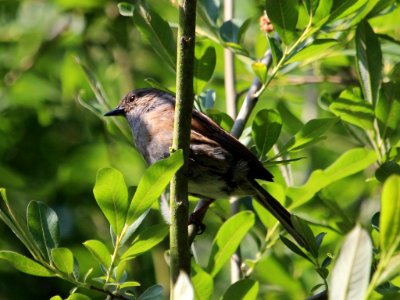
{"points": [[132, 98]]}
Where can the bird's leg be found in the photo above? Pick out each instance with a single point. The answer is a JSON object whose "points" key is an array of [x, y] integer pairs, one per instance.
{"points": [[196, 218]]}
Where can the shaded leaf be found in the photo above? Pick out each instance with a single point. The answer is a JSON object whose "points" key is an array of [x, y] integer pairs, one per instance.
{"points": [[146, 240], [203, 68], [99, 251], [152, 184], [44, 227], [390, 214], [210, 8], [386, 169], [276, 50], [25, 264], [388, 110], [111, 195], [305, 231], [369, 61], [292, 246], [157, 32], [266, 129], [283, 15], [63, 260], [228, 239], [151, 293], [350, 275], [245, 289], [391, 270]]}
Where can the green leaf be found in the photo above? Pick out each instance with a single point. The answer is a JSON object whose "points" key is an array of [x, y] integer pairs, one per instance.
{"points": [[25, 264], [99, 251], [343, 8], [183, 288], [313, 51], [309, 134], [276, 50], [44, 227], [203, 68], [388, 110], [292, 246], [283, 15], [369, 61], [78, 296], [350, 275], [203, 284], [391, 270], [111, 195], [261, 71], [157, 32], [351, 162], [151, 293], [245, 289], [210, 8], [266, 129], [63, 260], [146, 240], [228, 239], [56, 298], [229, 31], [152, 184], [292, 123], [305, 231], [354, 110], [321, 14], [390, 214], [125, 9]]}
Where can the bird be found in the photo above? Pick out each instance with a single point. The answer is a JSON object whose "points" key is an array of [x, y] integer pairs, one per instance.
{"points": [[219, 165]]}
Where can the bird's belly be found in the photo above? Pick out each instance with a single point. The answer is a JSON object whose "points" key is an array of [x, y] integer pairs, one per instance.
{"points": [[208, 188]]}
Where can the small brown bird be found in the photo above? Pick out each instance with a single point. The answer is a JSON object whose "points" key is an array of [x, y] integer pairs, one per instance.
{"points": [[219, 165]]}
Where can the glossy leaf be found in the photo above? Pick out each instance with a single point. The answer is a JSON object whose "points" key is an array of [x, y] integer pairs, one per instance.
{"points": [[313, 51], [309, 134], [157, 32], [99, 251], [147, 239], [390, 214], [111, 195], [25, 264], [354, 110], [351, 272], [351, 162], [152, 184], [343, 8], [44, 227], [369, 61], [245, 289], [78, 296], [203, 284], [203, 68], [266, 129], [63, 260], [56, 298], [260, 70], [283, 15], [228, 239]]}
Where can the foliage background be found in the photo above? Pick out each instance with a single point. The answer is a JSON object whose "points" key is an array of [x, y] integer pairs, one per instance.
{"points": [[51, 146]]}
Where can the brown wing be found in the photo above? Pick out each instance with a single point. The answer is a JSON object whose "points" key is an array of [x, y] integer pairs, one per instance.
{"points": [[202, 123]]}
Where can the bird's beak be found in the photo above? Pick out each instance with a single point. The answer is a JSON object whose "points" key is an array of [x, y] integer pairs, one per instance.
{"points": [[118, 111]]}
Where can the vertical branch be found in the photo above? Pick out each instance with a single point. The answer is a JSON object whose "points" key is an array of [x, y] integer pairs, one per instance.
{"points": [[230, 96], [179, 247]]}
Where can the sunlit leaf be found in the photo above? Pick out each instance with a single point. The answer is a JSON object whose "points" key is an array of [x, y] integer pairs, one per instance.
{"points": [[351, 162], [111, 195], [63, 260], [152, 184], [266, 129], [99, 251], [25, 264], [343, 8], [283, 15], [391, 270], [245, 289], [314, 51], [147, 239], [203, 284], [44, 227], [260, 70], [125, 9], [369, 61], [228, 239], [78, 296], [350, 274], [390, 214], [388, 110]]}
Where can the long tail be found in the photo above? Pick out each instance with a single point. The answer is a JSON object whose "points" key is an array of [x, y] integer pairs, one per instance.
{"points": [[278, 211]]}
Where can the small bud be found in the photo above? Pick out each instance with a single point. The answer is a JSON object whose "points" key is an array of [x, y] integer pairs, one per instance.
{"points": [[266, 25]]}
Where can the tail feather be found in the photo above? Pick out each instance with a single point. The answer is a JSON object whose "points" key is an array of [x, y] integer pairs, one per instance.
{"points": [[278, 211]]}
